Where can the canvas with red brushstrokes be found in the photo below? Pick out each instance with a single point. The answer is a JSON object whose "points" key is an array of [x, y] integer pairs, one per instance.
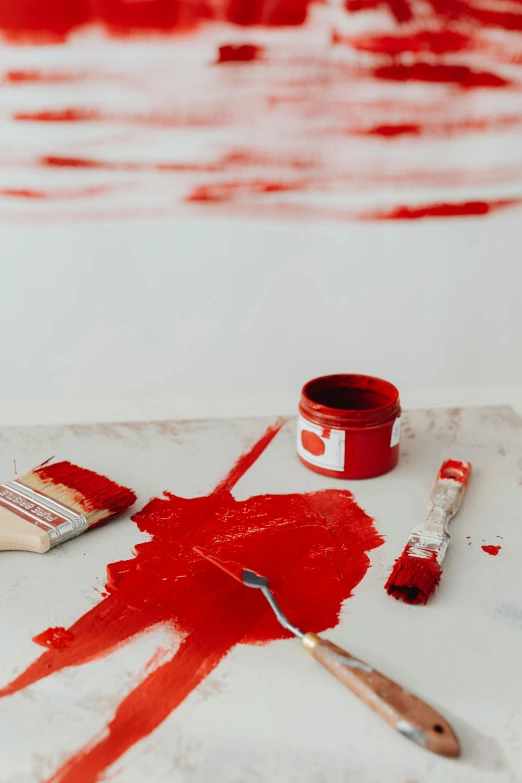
{"points": [[368, 110]]}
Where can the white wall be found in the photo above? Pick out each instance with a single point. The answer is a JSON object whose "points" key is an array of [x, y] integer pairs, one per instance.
{"points": [[183, 318]]}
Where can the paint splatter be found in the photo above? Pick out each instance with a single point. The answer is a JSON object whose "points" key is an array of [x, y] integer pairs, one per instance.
{"points": [[312, 547], [491, 549]]}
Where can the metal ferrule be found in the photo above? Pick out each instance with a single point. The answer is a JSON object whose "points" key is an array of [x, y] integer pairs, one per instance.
{"points": [[59, 521]]}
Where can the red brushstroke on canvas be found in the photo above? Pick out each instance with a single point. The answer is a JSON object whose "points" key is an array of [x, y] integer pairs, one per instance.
{"points": [[239, 53], [312, 547]]}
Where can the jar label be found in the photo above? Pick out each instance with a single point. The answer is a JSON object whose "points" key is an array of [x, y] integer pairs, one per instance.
{"points": [[396, 432], [321, 446]]}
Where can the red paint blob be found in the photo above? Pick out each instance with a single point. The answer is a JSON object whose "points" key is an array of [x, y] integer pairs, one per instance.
{"points": [[312, 547], [425, 41], [55, 638], [490, 549], [456, 471], [390, 131], [239, 53], [312, 443]]}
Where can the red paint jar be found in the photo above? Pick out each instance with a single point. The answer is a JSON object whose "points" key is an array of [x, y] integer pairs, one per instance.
{"points": [[349, 426]]}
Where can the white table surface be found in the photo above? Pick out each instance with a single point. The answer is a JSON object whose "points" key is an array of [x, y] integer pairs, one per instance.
{"points": [[269, 713]]}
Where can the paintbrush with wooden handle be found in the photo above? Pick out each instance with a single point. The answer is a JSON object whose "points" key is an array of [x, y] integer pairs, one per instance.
{"points": [[54, 503], [406, 713]]}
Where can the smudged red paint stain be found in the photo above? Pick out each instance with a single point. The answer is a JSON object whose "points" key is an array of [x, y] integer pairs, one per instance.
{"points": [[462, 209], [35, 76], [55, 195], [312, 547], [312, 443], [490, 549], [459, 75], [58, 115], [55, 638], [422, 42], [239, 53]]}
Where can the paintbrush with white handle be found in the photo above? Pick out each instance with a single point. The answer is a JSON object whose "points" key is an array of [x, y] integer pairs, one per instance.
{"points": [[54, 503], [417, 571], [403, 711]]}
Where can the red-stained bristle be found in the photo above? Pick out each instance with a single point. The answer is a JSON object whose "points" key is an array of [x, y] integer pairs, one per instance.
{"points": [[92, 491], [413, 579]]}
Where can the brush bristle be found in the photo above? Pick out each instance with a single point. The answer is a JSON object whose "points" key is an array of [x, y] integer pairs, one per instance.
{"points": [[413, 579], [96, 496]]}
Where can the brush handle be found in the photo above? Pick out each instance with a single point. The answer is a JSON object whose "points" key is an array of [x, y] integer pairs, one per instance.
{"points": [[445, 499], [17, 533], [410, 716]]}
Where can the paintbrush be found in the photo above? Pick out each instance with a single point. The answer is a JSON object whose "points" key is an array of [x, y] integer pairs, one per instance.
{"points": [[406, 713], [54, 503], [417, 571]]}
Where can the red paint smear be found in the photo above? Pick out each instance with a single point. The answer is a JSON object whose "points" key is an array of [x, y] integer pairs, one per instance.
{"points": [[52, 21], [27, 193], [414, 579], [55, 638], [441, 73], [490, 549], [228, 191], [425, 41], [33, 76], [92, 491], [59, 161], [312, 443], [463, 209], [239, 53], [58, 115], [312, 547]]}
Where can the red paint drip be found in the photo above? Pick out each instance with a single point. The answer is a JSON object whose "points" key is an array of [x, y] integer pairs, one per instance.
{"points": [[490, 549], [462, 209], [55, 638], [312, 443], [312, 547], [93, 492], [239, 53], [442, 73], [414, 579]]}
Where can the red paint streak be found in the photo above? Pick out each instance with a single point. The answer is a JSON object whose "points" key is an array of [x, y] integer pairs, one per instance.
{"points": [[312, 547], [441, 73], [55, 638], [490, 549], [59, 161], [462, 209], [312, 443], [33, 76], [425, 41], [92, 491], [456, 470], [228, 191], [239, 53], [478, 12], [391, 131], [27, 193], [414, 579], [58, 115]]}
